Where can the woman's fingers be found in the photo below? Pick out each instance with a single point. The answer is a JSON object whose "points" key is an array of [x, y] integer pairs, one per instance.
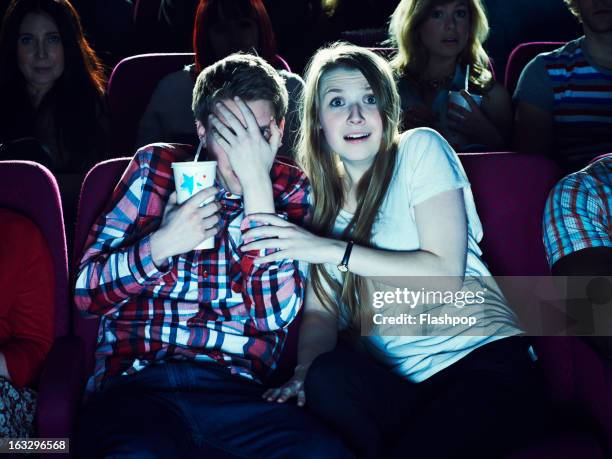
{"points": [[301, 397], [274, 243], [284, 393], [269, 219], [268, 231]]}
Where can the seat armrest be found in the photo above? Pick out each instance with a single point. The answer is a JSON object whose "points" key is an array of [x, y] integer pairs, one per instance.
{"points": [[60, 388]]}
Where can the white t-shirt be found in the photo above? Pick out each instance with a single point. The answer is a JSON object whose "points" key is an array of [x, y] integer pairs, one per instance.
{"points": [[426, 166]]}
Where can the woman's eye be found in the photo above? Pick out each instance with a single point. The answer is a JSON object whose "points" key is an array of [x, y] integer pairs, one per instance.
{"points": [[336, 102], [436, 14], [54, 39], [25, 40], [371, 99], [461, 14]]}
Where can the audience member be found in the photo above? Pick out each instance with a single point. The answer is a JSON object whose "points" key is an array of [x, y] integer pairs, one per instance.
{"points": [[522, 21], [392, 212], [222, 27], [578, 232], [187, 337], [26, 320], [51, 86], [564, 97], [437, 43]]}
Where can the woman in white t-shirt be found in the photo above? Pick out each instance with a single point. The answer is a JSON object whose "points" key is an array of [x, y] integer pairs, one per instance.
{"points": [[393, 221]]}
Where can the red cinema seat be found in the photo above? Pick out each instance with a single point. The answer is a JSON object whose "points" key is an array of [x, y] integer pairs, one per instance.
{"points": [[510, 191], [521, 56], [130, 88], [30, 189]]}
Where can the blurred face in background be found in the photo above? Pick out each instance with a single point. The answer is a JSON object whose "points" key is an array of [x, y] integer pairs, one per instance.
{"points": [[596, 15], [233, 32], [445, 32], [40, 52]]}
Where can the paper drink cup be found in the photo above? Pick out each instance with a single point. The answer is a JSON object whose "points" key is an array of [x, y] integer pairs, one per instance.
{"points": [[191, 177], [456, 98]]}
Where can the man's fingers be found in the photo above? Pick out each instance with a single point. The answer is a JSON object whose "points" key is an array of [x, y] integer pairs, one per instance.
{"points": [[221, 129], [224, 144], [209, 209], [229, 118], [275, 138], [198, 198], [249, 117]]}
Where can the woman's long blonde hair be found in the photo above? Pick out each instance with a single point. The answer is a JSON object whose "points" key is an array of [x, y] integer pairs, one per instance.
{"points": [[411, 57], [325, 171]]}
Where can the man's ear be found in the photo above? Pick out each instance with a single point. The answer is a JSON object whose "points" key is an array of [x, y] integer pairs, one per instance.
{"points": [[201, 130], [281, 126]]}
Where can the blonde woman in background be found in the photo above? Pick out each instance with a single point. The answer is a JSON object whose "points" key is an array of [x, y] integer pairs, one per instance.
{"points": [[437, 42]]}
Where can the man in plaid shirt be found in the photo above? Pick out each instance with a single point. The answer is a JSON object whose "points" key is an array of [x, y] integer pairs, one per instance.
{"points": [[578, 234], [188, 338]]}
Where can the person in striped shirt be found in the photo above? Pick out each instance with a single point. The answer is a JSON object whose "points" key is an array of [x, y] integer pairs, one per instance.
{"points": [[188, 338], [577, 228], [564, 97]]}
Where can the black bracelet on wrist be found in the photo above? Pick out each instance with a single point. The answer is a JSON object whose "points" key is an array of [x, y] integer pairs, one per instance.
{"points": [[343, 266]]}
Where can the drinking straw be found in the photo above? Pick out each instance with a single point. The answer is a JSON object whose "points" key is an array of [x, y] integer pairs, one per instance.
{"points": [[198, 152], [467, 77]]}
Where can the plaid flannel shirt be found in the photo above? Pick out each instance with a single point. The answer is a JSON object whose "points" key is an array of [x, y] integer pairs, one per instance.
{"points": [[578, 213], [212, 305]]}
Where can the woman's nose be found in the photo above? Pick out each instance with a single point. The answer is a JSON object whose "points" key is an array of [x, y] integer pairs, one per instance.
{"points": [[355, 115], [41, 50]]}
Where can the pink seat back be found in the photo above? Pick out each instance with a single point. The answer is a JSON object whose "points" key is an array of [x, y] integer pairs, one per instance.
{"points": [[30, 189], [521, 56], [130, 88], [95, 193], [510, 190]]}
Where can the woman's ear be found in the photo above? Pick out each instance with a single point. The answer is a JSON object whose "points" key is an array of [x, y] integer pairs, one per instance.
{"points": [[201, 130]]}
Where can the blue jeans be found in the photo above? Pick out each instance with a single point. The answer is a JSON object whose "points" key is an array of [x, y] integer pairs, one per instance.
{"points": [[196, 410]]}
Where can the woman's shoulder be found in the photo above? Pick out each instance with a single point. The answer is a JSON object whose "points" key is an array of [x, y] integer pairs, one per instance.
{"points": [[423, 148], [419, 140]]}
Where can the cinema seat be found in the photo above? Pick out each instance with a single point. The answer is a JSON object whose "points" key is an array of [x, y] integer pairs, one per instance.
{"points": [[95, 193], [129, 89], [520, 57], [30, 189], [510, 191]]}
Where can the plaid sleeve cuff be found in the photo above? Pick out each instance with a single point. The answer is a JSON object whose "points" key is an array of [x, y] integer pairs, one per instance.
{"points": [[141, 264]]}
